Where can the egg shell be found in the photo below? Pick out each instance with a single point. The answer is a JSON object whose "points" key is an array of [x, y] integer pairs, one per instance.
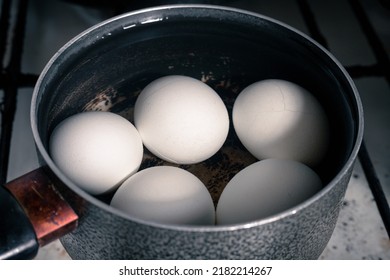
{"points": [[266, 188], [279, 119], [181, 119], [166, 194], [96, 150]]}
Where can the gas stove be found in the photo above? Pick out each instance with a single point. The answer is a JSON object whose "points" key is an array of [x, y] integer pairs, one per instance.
{"points": [[355, 31]]}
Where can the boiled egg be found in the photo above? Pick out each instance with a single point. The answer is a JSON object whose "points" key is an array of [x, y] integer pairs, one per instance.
{"points": [[96, 150], [279, 119], [265, 188], [181, 119], [166, 194]]}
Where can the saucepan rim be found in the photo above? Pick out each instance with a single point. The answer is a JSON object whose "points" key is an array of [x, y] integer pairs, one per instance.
{"points": [[214, 228]]}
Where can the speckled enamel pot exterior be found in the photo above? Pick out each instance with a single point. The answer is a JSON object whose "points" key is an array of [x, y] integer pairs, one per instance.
{"points": [[231, 49]]}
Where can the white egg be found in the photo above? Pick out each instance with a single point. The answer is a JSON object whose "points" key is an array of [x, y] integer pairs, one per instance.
{"points": [[279, 119], [96, 150], [181, 119], [266, 188], [167, 195]]}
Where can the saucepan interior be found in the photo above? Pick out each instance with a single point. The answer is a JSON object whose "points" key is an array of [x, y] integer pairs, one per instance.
{"points": [[106, 67]]}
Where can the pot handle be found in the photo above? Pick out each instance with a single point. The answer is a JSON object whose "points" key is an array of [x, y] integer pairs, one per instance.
{"points": [[32, 214]]}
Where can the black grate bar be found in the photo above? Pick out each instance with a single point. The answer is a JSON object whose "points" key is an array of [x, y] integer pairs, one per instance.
{"points": [[361, 71], [376, 188], [12, 71], [311, 23], [373, 38], [358, 71], [23, 80], [14, 66], [4, 23], [383, 66]]}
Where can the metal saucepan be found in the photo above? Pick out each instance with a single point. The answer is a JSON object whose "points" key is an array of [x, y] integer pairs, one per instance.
{"points": [[105, 67]]}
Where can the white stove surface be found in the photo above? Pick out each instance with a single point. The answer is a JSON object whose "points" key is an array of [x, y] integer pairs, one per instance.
{"points": [[360, 233]]}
